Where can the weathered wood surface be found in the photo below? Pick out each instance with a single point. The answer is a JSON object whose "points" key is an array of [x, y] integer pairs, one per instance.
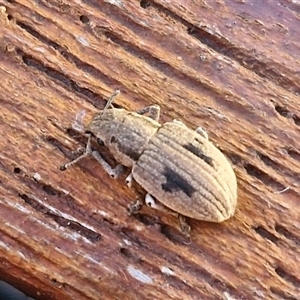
{"points": [[231, 66]]}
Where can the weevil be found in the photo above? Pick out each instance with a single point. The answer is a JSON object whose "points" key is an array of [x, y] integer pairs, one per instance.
{"points": [[177, 166]]}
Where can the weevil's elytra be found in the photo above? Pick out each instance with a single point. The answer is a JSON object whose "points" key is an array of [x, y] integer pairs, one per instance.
{"points": [[178, 166], [198, 188]]}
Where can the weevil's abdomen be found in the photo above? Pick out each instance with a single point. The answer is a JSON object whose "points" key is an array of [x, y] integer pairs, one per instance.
{"points": [[188, 174]]}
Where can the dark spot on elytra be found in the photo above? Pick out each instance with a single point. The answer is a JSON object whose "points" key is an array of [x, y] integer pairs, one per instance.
{"points": [[175, 182], [113, 139], [198, 152]]}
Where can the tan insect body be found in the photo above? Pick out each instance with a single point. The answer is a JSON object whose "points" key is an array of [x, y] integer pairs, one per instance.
{"points": [[178, 166]]}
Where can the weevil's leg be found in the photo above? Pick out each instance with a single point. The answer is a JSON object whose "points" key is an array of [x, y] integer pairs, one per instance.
{"points": [[129, 180], [150, 201], [111, 99], [134, 207], [112, 172], [184, 226], [87, 152], [202, 132], [153, 110]]}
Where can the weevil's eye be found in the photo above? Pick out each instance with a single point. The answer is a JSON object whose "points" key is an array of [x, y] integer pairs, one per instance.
{"points": [[100, 142]]}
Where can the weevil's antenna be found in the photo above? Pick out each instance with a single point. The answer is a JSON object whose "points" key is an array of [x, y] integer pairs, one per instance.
{"points": [[110, 100]]}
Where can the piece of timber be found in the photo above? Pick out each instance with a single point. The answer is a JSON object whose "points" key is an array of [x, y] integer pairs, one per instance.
{"points": [[231, 67]]}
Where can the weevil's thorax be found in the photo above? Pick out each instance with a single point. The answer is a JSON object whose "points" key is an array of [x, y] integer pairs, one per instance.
{"points": [[105, 124], [124, 133]]}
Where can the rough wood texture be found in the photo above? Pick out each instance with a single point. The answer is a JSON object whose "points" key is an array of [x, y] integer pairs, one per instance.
{"points": [[231, 66]]}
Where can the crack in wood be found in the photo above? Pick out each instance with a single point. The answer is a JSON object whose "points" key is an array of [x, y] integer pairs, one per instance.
{"points": [[287, 234], [266, 234], [288, 277], [57, 76], [285, 295], [262, 176]]}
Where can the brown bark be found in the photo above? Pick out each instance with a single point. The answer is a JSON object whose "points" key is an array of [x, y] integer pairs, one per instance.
{"points": [[231, 67]]}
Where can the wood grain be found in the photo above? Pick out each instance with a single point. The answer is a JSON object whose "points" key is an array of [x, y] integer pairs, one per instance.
{"points": [[230, 66]]}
